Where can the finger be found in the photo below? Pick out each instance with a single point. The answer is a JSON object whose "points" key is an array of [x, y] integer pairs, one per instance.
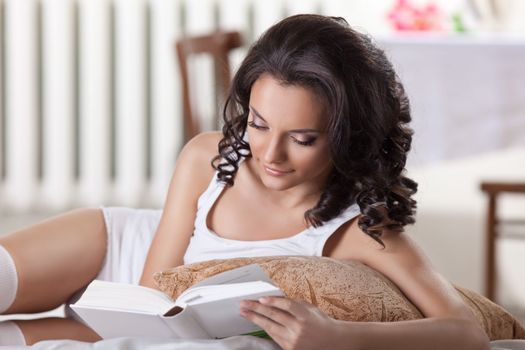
{"points": [[274, 314], [274, 329], [295, 308]]}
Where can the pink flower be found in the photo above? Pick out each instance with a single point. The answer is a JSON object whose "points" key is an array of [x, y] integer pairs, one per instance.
{"points": [[406, 16]]}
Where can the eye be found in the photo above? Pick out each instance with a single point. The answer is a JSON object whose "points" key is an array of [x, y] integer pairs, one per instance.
{"points": [[308, 142], [255, 126]]}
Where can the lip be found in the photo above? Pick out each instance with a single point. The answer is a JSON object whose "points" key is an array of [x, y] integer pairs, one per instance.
{"points": [[275, 172]]}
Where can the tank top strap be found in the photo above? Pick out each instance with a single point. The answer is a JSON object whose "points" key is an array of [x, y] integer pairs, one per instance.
{"points": [[324, 232], [212, 192], [209, 197], [349, 213]]}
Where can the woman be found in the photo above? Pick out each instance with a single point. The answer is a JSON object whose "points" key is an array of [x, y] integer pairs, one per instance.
{"points": [[316, 134]]}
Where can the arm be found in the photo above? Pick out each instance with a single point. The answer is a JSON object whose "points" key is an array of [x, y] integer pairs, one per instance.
{"points": [[299, 325], [190, 178], [449, 323]]}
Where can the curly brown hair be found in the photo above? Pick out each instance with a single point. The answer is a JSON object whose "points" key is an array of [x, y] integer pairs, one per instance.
{"points": [[366, 106]]}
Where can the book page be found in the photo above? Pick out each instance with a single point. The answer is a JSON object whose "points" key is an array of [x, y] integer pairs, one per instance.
{"points": [[204, 294], [246, 273], [124, 297], [221, 318]]}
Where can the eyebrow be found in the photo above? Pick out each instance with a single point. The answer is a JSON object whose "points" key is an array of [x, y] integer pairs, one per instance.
{"points": [[295, 131]]}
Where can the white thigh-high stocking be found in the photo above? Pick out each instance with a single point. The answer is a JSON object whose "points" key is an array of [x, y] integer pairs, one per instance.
{"points": [[10, 334], [8, 280]]}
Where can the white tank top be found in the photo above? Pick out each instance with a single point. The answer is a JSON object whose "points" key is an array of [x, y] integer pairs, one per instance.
{"points": [[207, 245]]}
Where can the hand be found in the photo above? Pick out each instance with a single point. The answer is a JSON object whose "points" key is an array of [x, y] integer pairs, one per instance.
{"points": [[294, 324]]}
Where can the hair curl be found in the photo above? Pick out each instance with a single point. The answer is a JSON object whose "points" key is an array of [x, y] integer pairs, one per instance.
{"points": [[366, 107]]}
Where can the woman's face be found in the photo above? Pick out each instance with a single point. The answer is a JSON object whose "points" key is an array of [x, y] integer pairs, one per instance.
{"points": [[287, 135]]}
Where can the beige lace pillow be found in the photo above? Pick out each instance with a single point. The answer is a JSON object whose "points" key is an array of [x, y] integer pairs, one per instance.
{"points": [[344, 290]]}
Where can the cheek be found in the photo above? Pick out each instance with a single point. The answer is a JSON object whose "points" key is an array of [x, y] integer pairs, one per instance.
{"points": [[255, 143], [316, 161], [312, 162]]}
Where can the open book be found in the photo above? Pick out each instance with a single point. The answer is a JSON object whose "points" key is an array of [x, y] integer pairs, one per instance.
{"points": [[209, 309]]}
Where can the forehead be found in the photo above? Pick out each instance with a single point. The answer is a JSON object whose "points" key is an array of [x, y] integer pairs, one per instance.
{"points": [[285, 105]]}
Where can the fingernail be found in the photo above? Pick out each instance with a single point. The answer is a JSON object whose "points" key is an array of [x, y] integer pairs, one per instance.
{"points": [[264, 300]]}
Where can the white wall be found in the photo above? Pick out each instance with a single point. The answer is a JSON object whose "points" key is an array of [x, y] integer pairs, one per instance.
{"points": [[451, 220]]}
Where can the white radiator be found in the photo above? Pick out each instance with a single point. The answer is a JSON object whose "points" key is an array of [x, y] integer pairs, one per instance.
{"points": [[90, 110]]}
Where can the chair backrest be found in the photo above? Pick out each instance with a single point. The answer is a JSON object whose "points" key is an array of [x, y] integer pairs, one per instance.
{"points": [[218, 45]]}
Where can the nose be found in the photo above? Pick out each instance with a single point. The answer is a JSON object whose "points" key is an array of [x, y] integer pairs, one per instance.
{"points": [[275, 151]]}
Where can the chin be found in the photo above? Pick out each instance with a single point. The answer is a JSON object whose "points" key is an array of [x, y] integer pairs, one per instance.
{"points": [[277, 184]]}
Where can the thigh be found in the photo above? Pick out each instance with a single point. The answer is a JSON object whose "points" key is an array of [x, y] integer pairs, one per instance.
{"points": [[129, 233], [55, 258]]}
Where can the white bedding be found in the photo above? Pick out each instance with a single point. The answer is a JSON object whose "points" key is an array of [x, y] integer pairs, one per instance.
{"points": [[233, 343], [507, 345]]}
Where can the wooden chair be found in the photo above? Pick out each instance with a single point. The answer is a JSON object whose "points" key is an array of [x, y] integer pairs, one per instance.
{"points": [[493, 229], [218, 45]]}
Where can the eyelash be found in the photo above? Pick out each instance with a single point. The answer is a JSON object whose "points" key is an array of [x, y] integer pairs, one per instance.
{"points": [[255, 126], [302, 143]]}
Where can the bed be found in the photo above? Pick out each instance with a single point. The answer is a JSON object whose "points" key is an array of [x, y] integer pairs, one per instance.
{"points": [[370, 297], [233, 343]]}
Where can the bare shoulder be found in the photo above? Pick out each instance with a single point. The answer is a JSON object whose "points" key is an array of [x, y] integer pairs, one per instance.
{"points": [[350, 242], [201, 147], [398, 253], [404, 263], [193, 170], [195, 158]]}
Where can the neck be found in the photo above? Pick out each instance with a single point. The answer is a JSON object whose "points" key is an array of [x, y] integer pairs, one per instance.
{"points": [[306, 194], [294, 198]]}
